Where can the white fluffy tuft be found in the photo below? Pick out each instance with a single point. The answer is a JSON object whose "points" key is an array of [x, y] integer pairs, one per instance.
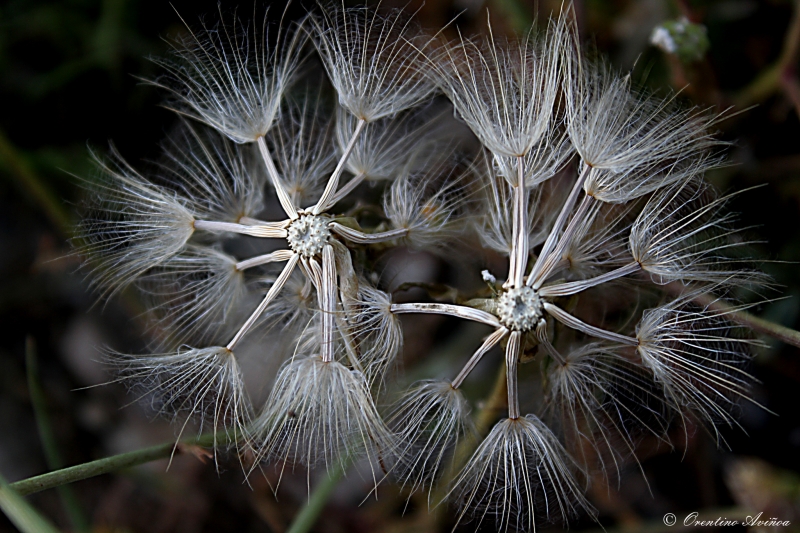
{"points": [[520, 476]]}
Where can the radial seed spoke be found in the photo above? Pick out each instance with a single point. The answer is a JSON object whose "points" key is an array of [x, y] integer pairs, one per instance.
{"points": [[460, 311], [274, 257], [519, 251], [333, 182], [360, 237], [577, 324], [550, 242], [271, 294], [574, 287], [277, 182], [268, 231], [328, 303], [513, 352], [487, 345]]}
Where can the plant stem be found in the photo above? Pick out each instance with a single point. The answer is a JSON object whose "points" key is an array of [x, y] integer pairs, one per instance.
{"points": [[110, 464], [308, 515], [495, 403], [759, 325], [780, 75], [777, 331]]}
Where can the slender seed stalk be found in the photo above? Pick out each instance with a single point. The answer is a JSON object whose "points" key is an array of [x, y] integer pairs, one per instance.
{"points": [[487, 345], [513, 351], [593, 331], [459, 311], [274, 257], [328, 303], [271, 294], [267, 230], [519, 250], [367, 238], [574, 287], [544, 342], [555, 256], [550, 242], [347, 188], [326, 200], [277, 182]]}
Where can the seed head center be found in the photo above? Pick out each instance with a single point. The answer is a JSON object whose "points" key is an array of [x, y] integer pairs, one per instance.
{"points": [[519, 309], [308, 234]]}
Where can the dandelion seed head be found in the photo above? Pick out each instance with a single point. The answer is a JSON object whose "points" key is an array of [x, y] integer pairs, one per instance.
{"points": [[308, 235], [635, 205], [519, 309]]}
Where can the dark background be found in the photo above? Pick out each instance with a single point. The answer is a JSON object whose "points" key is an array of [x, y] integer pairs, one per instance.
{"points": [[68, 80]]}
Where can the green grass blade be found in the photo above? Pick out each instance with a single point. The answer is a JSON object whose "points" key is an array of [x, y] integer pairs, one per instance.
{"points": [[49, 444], [21, 513]]}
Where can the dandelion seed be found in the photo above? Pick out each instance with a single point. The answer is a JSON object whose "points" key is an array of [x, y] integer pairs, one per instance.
{"points": [[232, 76], [377, 330], [388, 144], [606, 401], [220, 180], [426, 208], [302, 144], [204, 384], [319, 412], [431, 418], [698, 357], [633, 142], [684, 234], [506, 92], [370, 61], [519, 477], [198, 292], [131, 226]]}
